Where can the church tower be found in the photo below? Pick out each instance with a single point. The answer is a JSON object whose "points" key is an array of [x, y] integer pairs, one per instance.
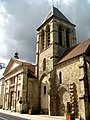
{"points": [[54, 36]]}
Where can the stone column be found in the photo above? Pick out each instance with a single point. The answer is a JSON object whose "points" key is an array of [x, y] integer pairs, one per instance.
{"points": [[15, 94]]}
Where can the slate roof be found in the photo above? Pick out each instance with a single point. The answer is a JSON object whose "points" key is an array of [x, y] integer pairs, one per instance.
{"points": [[56, 13], [79, 49]]}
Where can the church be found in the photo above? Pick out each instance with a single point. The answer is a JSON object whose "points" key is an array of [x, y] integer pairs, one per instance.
{"points": [[60, 80]]}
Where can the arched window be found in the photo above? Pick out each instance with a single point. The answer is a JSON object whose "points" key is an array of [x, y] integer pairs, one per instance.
{"points": [[60, 35], [67, 38], [60, 77], [44, 64], [48, 35], [44, 90], [42, 40]]}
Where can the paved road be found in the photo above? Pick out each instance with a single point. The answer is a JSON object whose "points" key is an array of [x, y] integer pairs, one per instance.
{"points": [[10, 117]]}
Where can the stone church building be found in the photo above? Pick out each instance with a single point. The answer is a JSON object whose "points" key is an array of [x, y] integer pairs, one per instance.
{"points": [[62, 71]]}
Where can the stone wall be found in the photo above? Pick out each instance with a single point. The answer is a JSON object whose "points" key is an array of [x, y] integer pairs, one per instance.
{"points": [[72, 73], [33, 98], [88, 87]]}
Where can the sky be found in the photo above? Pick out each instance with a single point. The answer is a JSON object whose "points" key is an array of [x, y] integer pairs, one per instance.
{"points": [[19, 20]]}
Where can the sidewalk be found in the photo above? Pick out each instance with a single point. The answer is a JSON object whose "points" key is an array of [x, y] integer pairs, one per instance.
{"points": [[33, 117]]}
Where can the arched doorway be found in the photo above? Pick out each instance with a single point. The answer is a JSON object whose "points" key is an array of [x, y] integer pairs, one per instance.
{"points": [[64, 99], [45, 98]]}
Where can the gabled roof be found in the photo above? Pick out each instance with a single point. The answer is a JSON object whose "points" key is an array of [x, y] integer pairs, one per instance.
{"points": [[56, 13], [79, 49], [14, 63]]}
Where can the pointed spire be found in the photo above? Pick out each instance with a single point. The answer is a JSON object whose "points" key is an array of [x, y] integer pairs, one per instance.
{"points": [[16, 55], [55, 12]]}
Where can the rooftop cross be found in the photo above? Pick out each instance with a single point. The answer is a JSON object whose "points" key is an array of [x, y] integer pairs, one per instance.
{"points": [[53, 3]]}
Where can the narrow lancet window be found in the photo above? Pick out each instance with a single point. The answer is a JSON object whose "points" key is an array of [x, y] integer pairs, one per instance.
{"points": [[67, 39], [60, 35], [44, 90], [60, 77], [44, 64], [42, 40], [48, 35]]}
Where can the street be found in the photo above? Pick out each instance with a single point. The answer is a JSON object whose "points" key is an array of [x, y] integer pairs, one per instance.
{"points": [[10, 117]]}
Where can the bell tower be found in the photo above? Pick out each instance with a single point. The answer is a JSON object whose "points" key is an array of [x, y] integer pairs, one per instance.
{"points": [[54, 36]]}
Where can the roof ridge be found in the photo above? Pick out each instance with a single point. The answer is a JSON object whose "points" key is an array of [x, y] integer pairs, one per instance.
{"points": [[74, 51], [22, 61]]}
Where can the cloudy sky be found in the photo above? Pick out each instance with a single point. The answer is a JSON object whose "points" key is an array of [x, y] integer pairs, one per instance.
{"points": [[19, 20]]}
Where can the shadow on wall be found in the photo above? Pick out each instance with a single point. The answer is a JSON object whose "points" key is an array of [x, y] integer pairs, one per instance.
{"points": [[62, 107], [66, 96], [75, 101]]}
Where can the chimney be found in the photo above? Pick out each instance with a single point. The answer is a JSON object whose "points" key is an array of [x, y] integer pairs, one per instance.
{"points": [[16, 55]]}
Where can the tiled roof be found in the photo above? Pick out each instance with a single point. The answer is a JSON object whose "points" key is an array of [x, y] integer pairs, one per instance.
{"points": [[76, 51]]}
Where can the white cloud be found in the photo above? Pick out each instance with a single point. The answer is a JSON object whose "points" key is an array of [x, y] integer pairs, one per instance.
{"points": [[56, 2], [4, 16], [2, 44], [4, 19], [89, 1], [67, 2]]}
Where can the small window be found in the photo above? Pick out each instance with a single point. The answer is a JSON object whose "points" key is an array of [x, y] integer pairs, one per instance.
{"points": [[44, 64], [44, 90], [60, 77]]}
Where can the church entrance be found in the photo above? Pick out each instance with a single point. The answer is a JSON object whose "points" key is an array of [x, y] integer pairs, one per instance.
{"points": [[45, 98], [12, 100]]}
